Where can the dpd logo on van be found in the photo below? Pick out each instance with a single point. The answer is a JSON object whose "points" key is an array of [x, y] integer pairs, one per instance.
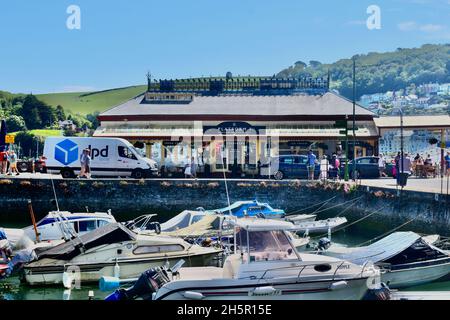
{"points": [[66, 151]]}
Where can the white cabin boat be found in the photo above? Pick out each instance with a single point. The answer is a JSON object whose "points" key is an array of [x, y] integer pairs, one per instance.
{"points": [[405, 258], [266, 265], [112, 250]]}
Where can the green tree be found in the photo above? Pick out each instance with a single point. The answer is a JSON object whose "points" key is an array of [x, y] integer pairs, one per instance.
{"points": [[15, 123], [92, 117], [37, 114], [60, 114], [29, 143]]}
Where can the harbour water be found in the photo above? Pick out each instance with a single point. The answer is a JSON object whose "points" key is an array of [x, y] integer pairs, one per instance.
{"points": [[12, 289]]}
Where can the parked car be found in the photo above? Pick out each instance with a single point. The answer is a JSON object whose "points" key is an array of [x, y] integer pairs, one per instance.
{"points": [[32, 166], [288, 166], [366, 168]]}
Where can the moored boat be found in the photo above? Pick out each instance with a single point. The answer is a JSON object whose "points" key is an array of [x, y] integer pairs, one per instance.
{"points": [[405, 258], [265, 265], [112, 250]]}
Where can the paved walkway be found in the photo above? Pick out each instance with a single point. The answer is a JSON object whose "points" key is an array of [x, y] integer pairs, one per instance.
{"points": [[414, 184]]}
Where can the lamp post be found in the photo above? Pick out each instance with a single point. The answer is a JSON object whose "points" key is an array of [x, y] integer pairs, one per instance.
{"points": [[354, 114]]}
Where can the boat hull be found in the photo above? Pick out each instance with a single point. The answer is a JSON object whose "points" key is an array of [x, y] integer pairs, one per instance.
{"points": [[287, 290], [409, 277], [92, 272]]}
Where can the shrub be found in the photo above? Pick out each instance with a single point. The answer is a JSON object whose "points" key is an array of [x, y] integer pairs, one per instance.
{"points": [[141, 182], [98, 184], [165, 184], [6, 181], [123, 183], [25, 183], [213, 185]]}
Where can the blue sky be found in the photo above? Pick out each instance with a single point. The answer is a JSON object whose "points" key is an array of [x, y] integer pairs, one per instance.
{"points": [[120, 40]]}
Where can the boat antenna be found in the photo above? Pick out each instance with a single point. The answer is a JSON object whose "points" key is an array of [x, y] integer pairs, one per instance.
{"points": [[54, 193], [226, 190]]}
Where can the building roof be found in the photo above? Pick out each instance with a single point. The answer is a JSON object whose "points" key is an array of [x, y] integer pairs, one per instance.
{"points": [[276, 107], [414, 122]]}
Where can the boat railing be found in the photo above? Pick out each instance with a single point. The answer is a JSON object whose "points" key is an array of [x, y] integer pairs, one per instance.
{"points": [[368, 264], [304, 267]]}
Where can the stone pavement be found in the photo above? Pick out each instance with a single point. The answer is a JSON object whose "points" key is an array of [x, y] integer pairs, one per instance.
{"points": [[433, 185]]}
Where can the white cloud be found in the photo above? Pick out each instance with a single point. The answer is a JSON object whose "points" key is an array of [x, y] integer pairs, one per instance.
{"points": [[357, 22], [414, 26], [431, 28], [407, 26]]}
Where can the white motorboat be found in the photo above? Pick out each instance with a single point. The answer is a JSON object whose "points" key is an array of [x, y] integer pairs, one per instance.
{"points": [[112, 250], [56, 227], [319, 226], [266, 265], [300, 218], [405, 258]]}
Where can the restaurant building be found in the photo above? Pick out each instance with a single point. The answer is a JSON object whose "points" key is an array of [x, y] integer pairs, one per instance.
{"points": [[238, 120]]}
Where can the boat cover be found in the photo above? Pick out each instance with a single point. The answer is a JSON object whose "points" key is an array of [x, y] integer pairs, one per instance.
{"points": [[181, 220], [208, 224], [379, 251], [110, 233]]}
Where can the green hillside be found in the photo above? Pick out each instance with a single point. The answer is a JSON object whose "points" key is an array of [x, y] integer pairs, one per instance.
{"points": [[90, 102], [381, 72]]}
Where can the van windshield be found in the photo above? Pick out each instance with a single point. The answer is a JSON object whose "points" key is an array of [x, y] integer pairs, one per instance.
{"points": [[125, 152]]}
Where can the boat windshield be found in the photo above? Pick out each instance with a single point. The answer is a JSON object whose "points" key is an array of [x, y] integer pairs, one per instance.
{"points": [[265, 245]]}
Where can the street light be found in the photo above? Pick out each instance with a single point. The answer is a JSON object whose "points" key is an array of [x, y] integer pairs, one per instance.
{"points": [[354, 114], [402, 171]]}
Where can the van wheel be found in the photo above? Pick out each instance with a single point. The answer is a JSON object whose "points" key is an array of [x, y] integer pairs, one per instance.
{"points": [[23, 167], [278, 175], [67, 173], [138, 174]]}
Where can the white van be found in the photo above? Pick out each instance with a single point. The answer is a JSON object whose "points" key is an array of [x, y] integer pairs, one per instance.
{"points": [[109, 157]]}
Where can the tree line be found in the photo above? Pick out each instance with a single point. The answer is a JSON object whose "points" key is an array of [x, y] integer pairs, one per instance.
{"points": [[26, 112], [380, 72]]}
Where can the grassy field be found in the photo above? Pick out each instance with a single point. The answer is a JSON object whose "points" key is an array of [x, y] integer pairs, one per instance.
{"points": [[45, 132], [89, 102]]}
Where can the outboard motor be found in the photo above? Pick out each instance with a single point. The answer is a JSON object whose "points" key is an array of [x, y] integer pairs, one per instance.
{"points": [[154, 226], [381, 293], [324, 244], [148, 283], [261, 215]]}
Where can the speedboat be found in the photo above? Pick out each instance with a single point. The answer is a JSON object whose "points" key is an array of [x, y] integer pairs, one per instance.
{"points": [[264, 265], [112, 250], [250, 208], [405, 259], [58, 226], [319, 226]]}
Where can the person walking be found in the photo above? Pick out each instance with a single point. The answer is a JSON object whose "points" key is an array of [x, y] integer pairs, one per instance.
{"points": [[311, 165], [12, 159], [397, 166], [87, 165], [447, 163], [324, 166], [83, 160], [382, 165], [3, 161], [407, 164], [194, 167]]}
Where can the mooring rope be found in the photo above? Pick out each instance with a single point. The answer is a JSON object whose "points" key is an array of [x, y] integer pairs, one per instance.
{"points": [[352, 223], [389, 232], [339, 204], [312, 206]]}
